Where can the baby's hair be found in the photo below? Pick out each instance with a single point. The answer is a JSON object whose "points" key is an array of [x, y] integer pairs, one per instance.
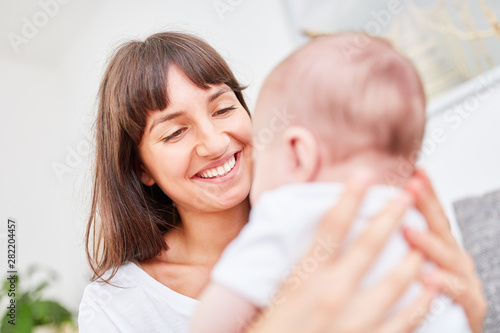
{"points": [[355, 93]]}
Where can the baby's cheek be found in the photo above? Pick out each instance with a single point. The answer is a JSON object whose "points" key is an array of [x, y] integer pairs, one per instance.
{"points": [[263, 176]]}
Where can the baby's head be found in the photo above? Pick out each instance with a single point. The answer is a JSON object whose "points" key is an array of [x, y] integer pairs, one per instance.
{"points": [[338, 103]]}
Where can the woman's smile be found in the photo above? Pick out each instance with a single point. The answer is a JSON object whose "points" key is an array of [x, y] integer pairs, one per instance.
{"points": [[220, 171]]}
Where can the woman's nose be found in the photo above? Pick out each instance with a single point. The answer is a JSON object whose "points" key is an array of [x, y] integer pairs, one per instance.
{"points": [[212, 141]]}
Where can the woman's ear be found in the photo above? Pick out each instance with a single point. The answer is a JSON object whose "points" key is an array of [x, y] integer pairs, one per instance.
{"points": [[302, 151], [144, 175]]}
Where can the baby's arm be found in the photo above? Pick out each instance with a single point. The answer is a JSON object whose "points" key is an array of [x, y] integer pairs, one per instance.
{"points": [[222, 310]]}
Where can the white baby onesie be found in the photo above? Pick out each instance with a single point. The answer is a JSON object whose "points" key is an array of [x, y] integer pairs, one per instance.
{"points": [[282, 226]]}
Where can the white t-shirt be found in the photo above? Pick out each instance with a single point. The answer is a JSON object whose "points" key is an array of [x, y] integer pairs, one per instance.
{"points": [[281, 229], [142, 304]]}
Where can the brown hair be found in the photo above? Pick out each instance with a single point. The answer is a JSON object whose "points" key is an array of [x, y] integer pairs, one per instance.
{"points": [[128, 219]]}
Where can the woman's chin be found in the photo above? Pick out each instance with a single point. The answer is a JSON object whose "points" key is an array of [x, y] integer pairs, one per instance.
{"points": [[228, 203], [220, 203]]}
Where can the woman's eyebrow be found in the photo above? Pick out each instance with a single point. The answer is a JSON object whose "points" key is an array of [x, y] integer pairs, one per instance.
{"points": [[218, 92], [165, 118]]}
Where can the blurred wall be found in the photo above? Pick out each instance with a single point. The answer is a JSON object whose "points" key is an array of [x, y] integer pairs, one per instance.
{"points": [[461, 148]]}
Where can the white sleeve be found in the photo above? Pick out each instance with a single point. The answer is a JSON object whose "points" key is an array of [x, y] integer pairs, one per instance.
{"points": [[92, 316], [262, 255]]}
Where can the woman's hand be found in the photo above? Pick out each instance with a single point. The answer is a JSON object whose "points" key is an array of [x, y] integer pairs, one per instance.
{"points": [[325, 295], [456, 275]]}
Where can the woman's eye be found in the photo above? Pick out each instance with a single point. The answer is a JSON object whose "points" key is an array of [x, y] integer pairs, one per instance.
{"points": [[224, 111], [174, 135]]}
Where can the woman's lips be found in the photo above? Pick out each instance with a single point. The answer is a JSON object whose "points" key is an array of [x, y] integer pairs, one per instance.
{"points": [[222, 172]]}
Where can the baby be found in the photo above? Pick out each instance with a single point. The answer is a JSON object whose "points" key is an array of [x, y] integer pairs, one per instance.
{"points": [[350, 101]]}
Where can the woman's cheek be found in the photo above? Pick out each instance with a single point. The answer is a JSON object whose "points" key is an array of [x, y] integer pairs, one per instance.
{"points": [[175, 161], [245, 129], [249, 146], [245, 133]]}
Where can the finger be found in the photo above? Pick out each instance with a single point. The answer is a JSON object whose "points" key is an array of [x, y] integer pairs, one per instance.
{"points": [[390, 289], [436, 250], [410, 318], [447, 283], [337, 221], [366, 248], [428, 204], [457, 288]]}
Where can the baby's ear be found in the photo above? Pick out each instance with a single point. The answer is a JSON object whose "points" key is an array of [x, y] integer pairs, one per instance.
{"points": [[302, 151]]}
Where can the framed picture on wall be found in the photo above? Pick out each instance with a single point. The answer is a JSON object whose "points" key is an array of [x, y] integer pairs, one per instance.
{"points": [[449, 41]]}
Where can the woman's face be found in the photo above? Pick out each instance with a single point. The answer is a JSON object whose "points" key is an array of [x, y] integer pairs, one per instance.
{"points": [[198, 150]]}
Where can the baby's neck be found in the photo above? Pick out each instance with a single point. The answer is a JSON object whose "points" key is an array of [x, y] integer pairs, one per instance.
{"points": [[388, 169]]}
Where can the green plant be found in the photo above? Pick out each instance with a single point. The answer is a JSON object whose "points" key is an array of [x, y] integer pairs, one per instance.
{"points": [[32, 309]]}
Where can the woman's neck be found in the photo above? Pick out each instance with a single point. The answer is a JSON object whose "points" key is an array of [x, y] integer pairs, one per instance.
{"points": [[203, 236]]}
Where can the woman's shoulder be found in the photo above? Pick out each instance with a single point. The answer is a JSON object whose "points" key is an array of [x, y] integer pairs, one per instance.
{"points": [[103, 297], [122, 282], [123, 276], [132, 301]]}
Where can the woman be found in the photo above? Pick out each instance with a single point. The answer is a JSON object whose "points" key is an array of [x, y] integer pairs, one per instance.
{"points": [[173, 174]]}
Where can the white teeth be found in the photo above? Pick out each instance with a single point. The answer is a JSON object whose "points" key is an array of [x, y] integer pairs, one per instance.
{"points": [[219, 171]]}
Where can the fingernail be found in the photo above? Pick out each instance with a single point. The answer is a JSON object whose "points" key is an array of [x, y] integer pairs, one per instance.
{"points": [[429, 282], [424, 176], [406, 199], [426, 278], [431, 291], [414, 185], [412, 233], [363, 177], [419, 172]]}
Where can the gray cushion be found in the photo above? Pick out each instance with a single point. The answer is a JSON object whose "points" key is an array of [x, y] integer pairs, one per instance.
{"points": [[479, 221]]}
